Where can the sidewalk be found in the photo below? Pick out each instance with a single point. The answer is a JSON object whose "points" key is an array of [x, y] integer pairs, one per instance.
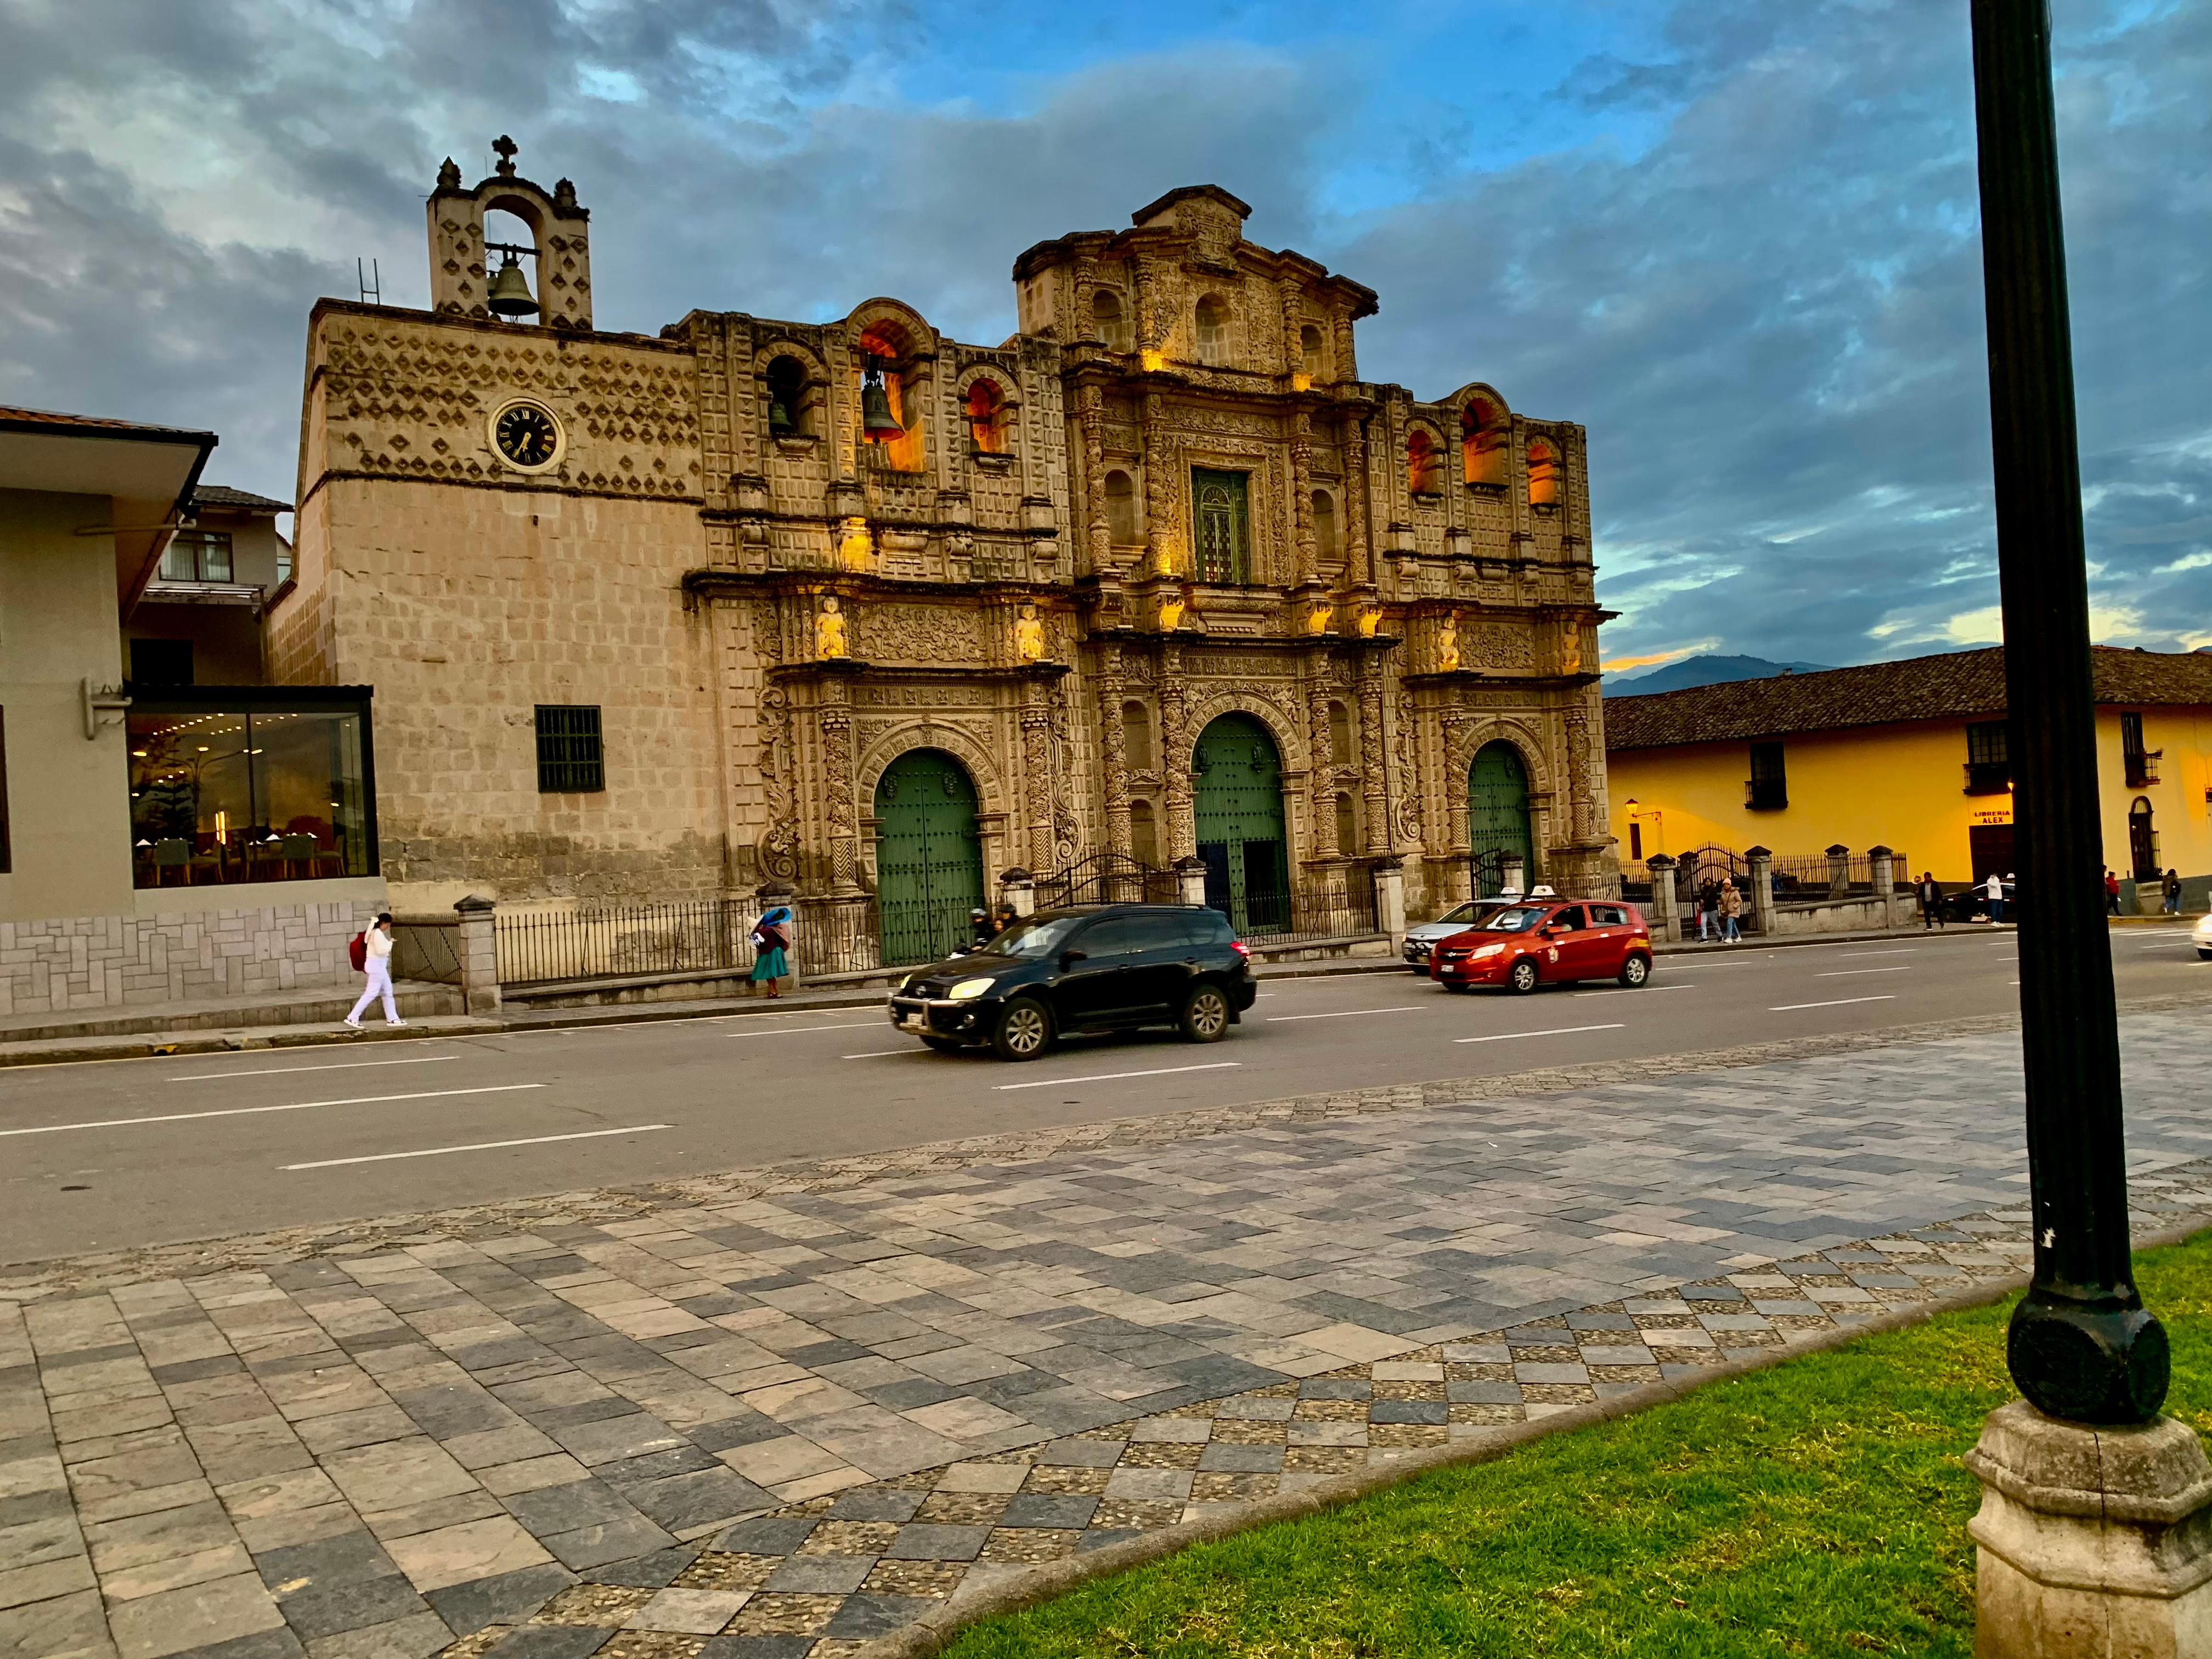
{"points": [[805, 1407]]}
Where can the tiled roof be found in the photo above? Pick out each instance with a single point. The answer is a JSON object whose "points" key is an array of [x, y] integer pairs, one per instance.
{"points": [[1960, 684], [224, 495], [21, 419]]}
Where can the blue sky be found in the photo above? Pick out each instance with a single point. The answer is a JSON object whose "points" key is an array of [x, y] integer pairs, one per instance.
{"points": [[1736, 240]]}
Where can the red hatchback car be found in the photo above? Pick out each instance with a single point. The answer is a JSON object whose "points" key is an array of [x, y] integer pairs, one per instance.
{"points": [[1551, 942]]}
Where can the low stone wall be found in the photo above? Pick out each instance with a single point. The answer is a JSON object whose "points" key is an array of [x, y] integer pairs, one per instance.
{"points": [[1862, 913], [118, 961]]}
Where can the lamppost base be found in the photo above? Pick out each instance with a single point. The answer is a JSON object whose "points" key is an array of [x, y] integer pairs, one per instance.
{"points": [[2087, 1363], [2094, 1543]]}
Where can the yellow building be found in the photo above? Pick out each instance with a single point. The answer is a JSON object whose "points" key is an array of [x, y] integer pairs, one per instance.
{"points": [[1912, 755]]}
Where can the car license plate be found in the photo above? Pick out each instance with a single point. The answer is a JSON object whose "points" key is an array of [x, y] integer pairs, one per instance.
{"points": [[913, 1023]]}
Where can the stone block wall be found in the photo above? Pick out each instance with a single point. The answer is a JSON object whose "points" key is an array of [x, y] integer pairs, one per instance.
{"points": [[120, 961]]}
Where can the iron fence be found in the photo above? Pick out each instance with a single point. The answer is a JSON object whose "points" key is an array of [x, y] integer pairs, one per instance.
{"points": [[1315, 910], [1109, 878], [427, 951], [612, 941], [1799, 877]]}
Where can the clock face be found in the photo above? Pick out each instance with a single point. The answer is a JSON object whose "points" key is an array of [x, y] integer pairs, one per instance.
{"points": [[526, 435]]}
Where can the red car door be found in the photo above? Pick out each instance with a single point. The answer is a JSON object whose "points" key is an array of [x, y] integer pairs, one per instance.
{"points": [[1611, 936], [1567, 944]]}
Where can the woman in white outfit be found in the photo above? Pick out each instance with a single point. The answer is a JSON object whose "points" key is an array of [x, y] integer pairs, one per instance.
{"points": [[377, 966]]}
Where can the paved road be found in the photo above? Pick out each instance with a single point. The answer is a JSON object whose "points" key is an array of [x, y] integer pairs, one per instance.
{"points": [[117, 1154]]}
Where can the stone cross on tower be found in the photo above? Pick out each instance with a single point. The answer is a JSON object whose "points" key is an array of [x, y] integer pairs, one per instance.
{"points": [[505, 147]]}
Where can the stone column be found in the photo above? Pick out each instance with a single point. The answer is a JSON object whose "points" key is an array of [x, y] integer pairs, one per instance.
{"points": [[476, 942], [1162, 558], [1307, 558], [834, 718], [1036, 765], [1390, 902], [1097, 537], [1190, 874], [1322, 774], [1840, 870], [2095, 1542], [1175, 739], [1113, 750], [1762, 890], [1666, 918], [1018, 890], [1374, 746], [1358, 563]]}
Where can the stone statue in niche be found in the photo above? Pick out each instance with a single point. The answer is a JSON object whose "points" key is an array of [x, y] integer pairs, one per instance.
{"points": [[1371, 618], [830, 631], [1028, 634], [1448, 646], [1172, 606], [1571, 649], [1319, 612]]}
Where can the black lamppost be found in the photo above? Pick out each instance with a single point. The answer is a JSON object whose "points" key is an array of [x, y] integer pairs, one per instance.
{"points": [[2083, 1346]]}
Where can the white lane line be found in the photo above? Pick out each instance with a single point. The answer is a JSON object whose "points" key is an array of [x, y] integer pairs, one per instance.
{"points": [[1109, 1077], [2183, 945], [476, 1147], [247, 1111], [878, 1054], [1557, 1031], [1346, 1013], [1851, 954], [1640, 990], [1846, 973], [1792, 1007], [278, 1070], [800, 1031]]}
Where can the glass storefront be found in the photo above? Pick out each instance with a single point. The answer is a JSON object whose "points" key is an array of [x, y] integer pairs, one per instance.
{"points": [[259, 785]]}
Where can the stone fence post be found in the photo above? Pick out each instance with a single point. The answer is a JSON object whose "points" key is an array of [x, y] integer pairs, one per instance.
{"points": [[1882, 861], [1839, 870], [1191, 873], [1017, 890], [1666, 918], [768, 896], [1390, 902], [1515, 878], [476, 944], [1762, 890]]}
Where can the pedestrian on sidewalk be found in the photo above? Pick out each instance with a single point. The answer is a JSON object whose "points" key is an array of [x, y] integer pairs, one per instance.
{"points": [[1930, 894], [1731, 907], [771, 940], [373, 956], [2111, 894], [981, 930], [2172, 890], [1993, 890], [1709, 905]]}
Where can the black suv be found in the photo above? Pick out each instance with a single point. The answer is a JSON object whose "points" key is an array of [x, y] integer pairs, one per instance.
{"points": [[1108, 969]]}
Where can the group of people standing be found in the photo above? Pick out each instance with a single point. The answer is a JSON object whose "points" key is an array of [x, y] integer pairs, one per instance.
{"points": [[1719, 905]]}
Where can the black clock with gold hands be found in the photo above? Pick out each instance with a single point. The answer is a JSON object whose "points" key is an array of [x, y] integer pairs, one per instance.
{"points": [[526, 435]]}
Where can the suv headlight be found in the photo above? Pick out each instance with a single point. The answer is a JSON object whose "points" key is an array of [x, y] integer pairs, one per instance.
{"points": [[1484, 952], [968, 989]]}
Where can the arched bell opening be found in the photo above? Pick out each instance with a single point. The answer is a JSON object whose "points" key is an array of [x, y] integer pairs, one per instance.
{"points": [[890, 404], [512, 267]]}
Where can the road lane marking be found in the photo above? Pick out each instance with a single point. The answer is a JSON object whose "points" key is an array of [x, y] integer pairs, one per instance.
{"points": [[1109, 1077], [1849, 955], [1625, 991], [476, 1147], [800, 1031], [1346, 1013], [1557, 1031], [247, 1111], [878, 1054], [1846, 973], [1840, 1002], [278, 1070]]}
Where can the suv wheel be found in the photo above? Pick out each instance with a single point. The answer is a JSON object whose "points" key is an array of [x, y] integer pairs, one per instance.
{"points": [[1523, 978], [1205, 1015], [1635, 971], [1024, 1030]]}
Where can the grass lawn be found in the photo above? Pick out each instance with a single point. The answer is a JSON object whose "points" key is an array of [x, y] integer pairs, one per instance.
{"points": [[1817, 1508]]}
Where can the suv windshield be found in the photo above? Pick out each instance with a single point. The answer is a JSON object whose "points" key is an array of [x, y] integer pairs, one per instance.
{"points": [[1034, 938], [1520, 918]]}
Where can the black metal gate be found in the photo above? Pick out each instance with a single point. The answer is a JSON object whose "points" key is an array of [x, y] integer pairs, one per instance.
{"points": [[1109, 878]]}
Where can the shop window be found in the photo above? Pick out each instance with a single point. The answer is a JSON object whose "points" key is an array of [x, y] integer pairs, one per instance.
{"points": [[1484, 450], [1422, 472], [570, 760], [198, 556], [1329, 545], [1122, 509], [1213, 320], [789, 415], [986, 418], [1339, 735], [1543, 473], [1137, 737], [1110, 320], [160, 662], [277, 788], [1221, 511]]}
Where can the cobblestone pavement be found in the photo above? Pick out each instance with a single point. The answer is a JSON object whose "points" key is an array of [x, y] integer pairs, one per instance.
{"points": [[782, 1412]]}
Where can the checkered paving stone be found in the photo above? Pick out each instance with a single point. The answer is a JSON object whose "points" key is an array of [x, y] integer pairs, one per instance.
{"points": [[785, 1414]]}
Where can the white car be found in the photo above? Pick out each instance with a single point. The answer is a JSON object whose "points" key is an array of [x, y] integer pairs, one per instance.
{"points": [[1421, 937], [2202, 937]]}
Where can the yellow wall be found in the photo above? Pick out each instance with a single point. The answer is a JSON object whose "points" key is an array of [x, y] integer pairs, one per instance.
{"points": [[1901, 786]]}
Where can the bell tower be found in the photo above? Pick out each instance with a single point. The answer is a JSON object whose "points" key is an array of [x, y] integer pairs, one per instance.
{"points": [[549, 281]]}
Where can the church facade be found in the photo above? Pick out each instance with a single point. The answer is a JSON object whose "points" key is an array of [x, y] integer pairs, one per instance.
{"points": [[862, 609]]}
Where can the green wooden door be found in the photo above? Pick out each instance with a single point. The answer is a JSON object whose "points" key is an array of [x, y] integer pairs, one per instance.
{"points": [[1240, 825], [929, 860], [1498, 817]]}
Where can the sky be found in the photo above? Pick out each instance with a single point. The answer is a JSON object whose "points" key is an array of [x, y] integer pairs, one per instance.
{"points": [[1735, 240]]}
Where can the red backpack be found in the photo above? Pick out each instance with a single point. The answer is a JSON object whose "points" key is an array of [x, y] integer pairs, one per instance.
{"points": [[358, 952]]}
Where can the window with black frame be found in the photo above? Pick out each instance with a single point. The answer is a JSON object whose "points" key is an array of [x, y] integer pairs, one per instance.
{"points": [[1988, 758], [251, 785], [1768, 791], [198, 556], [1221, 512], [570, 759]]}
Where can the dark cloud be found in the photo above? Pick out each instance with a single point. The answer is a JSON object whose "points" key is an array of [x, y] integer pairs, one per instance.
{"points": [[1765, 305]]}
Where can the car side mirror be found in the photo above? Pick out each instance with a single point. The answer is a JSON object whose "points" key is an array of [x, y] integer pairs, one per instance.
{"points": [[1069, 958]]}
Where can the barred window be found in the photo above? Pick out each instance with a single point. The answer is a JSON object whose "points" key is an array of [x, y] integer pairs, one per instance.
{"points": [[569, 758]]}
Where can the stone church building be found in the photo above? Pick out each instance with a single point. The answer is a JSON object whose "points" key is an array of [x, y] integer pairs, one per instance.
{"points": [[880, 614]]}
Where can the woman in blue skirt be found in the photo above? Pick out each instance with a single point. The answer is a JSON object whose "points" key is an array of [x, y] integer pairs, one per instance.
{"points": [[771, 937]]}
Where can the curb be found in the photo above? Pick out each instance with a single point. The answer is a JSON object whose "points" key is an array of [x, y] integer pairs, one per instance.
{"points": [[930, 1635]]}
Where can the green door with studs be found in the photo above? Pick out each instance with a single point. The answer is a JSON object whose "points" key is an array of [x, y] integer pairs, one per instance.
{"points": [[929, 859], [1240, 823], [1498, 827]]}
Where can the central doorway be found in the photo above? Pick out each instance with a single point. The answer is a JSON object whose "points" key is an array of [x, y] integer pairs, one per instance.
{"points": [[929, 858], [1498, 827], [1240, 834]]}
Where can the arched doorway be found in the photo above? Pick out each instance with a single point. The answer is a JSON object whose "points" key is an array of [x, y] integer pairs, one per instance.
{"points": [[929, 859], [1498, 827], [2142, 844], [1240, 823]]}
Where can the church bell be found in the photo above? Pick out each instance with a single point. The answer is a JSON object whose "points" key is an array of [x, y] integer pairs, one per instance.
{"points": [[877, 423], [779, 418], [510, 291]]}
